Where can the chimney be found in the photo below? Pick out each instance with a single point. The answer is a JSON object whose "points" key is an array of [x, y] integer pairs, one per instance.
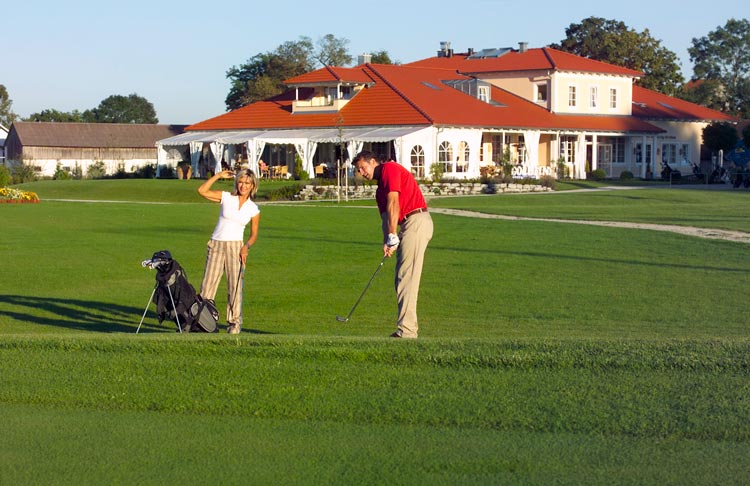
{"points": [[364, 59], [471, 51], [445, 49], [523, 46]]}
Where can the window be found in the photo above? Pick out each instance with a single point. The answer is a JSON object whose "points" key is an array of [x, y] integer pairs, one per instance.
{"points": [[571, 96], [669, 153], [567, 148], [498, 149], [541, 93], [417, 161], [593, 97], [613, 97], [640, 157], [445, 156], [617, 148], [484, 94]]}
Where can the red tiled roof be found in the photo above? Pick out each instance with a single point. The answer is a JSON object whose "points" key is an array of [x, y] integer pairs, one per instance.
{"points": [[416, 95], [541, 59], [330, 74], [650, 104]]}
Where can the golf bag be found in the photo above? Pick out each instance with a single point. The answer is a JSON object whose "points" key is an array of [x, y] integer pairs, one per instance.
{"points": [[176, 299]]}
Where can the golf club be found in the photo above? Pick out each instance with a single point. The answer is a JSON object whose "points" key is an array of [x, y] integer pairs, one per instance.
{"points": [[345, 319]]}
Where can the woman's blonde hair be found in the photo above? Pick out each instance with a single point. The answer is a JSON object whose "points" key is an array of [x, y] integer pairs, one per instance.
{"points": [[253, 179]]}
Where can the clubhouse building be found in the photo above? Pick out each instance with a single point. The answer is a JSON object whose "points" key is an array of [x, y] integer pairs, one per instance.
{"points": [[539, 108]]}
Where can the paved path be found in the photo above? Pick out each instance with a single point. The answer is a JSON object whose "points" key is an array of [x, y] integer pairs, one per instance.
{"points": [[715, 234]]}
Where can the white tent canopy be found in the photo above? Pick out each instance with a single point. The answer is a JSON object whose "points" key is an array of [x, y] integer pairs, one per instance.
{"points": [[305, 140]]}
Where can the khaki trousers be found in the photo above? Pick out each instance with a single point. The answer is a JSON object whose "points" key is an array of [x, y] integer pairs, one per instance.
{"points": [[416, 233], [223, 257]]}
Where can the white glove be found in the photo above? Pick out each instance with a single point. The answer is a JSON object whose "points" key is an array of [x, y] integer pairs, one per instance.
{"points": [[392, 240]]}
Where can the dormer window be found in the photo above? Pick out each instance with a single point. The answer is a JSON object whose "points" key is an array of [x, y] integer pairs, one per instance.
{"points": [[541, 92], [484, 94]]}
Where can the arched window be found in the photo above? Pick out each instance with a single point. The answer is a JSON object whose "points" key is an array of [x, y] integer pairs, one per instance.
{"points": [[417, 161], [445, 156]]}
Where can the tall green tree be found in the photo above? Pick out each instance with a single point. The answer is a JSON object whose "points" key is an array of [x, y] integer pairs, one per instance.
{"points": [[382, 57], [614, 42], [332, 51], [6, 113], [720, 136], [724, 56], [263, 75], [52, 115], [122, 109]]}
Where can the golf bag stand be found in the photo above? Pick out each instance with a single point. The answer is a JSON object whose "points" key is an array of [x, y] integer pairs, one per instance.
{"points": [[148, 304], [176, 299]]}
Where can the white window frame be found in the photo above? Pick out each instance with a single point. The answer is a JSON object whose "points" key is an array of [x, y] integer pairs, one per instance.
{"points": [[594, 97], [445, 156], [572, 96], [484, 94], [613, 98], [539, 90], [417, 161]]}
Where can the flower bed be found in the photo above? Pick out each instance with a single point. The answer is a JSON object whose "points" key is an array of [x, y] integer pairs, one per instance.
{"points": [[10, 195]]}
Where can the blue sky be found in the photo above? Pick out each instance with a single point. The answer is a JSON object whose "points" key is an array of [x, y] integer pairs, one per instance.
{"points": [[72, 55]]}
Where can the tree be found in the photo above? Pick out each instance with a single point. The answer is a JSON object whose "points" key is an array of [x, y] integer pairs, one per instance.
{"points": [[52, 115], [382, 57], [6, 113], [724, 56], [706, 92], [613, 42], [746, 136], [720, 136], [332, 51], [122, 109], [263, 75]]}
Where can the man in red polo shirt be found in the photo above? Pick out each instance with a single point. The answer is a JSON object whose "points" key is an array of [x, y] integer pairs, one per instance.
{"points": [[400, 203]]}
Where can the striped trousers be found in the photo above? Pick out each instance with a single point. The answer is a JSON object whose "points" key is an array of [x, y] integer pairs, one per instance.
{"points": [[223, 257]]}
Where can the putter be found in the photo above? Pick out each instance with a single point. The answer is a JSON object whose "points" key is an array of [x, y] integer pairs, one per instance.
{"points": [[346, 319]]}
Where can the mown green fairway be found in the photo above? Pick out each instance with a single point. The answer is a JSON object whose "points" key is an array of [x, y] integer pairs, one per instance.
{"points": [[549, 353]]}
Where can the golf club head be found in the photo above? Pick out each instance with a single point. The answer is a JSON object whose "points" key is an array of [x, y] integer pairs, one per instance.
{"points": [[342, 319]]}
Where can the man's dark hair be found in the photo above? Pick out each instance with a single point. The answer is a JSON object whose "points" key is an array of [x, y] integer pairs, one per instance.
{"points": [[365, 155]]}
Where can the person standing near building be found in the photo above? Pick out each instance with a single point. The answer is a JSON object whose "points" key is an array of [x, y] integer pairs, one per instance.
{"points": [[227, 252], [401, 204]]}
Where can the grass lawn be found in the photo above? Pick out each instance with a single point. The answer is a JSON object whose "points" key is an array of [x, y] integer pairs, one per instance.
{"points": [[549, 353]]}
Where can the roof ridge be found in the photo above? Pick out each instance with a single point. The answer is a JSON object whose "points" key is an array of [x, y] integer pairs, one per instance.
{"points": [[549, 58], [401, 94], [333, 72]]}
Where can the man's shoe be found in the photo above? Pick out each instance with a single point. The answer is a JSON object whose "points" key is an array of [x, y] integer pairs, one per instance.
{"points": [[233, 329], [396, 334]]}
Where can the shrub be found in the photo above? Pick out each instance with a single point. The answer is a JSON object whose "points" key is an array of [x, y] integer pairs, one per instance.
{"points": [[96, 170], [285, 193], [548, 181], [148, 171], [597, 175], [626, 175], [23, 173], [77, 172], [436, 172], [60, 173], [5, 176]]}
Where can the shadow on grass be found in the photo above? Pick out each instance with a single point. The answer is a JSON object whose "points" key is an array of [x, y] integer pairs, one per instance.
{"points": [[84, 315]]}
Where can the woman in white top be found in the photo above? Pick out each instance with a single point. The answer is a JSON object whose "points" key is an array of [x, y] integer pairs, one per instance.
{"points": [[227, 251]]}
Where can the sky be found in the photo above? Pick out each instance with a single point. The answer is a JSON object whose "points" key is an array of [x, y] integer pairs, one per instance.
{"points": [[72, 55]]}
